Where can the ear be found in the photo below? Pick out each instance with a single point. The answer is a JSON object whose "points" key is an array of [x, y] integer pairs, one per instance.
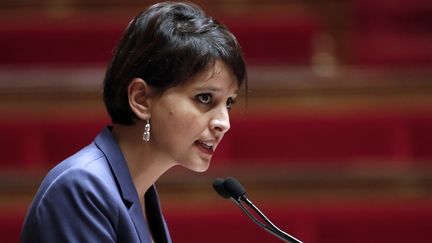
{"points": [[139, 97]]}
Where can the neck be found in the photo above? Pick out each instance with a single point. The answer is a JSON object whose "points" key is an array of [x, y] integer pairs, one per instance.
{"points": [[143, 161]]}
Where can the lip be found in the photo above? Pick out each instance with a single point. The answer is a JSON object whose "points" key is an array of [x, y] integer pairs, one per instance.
{"points": [[204, 148]]}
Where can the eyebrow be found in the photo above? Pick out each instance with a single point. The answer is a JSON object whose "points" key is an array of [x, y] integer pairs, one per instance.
{"points": [[214, 89]]}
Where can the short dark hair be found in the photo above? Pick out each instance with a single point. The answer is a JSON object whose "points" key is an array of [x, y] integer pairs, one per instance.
{"points": [[166, 45]]}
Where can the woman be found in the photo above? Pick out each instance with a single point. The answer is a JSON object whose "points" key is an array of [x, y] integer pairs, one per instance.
{"points": [[172, 80]]}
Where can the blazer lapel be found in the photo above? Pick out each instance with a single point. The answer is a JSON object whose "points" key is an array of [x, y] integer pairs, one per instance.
{"points": [[154, 213], [140, 224], [107, 144]]}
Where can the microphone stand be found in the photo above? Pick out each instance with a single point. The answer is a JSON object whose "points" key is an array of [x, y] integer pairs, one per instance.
{"points": [[268, 226]]}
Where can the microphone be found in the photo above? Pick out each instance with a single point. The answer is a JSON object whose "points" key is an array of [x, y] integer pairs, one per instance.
{"points": [[231, 188]]}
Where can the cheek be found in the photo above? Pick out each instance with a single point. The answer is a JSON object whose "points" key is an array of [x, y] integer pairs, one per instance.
{"points": [[177, 121], [177, 125], [186, 122]]}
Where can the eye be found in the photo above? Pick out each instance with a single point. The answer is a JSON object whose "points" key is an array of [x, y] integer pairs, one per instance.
{"points": [[230, 102], [204, 98]]}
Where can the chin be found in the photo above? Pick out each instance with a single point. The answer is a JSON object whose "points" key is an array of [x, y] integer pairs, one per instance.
{"points": [[195, 164], [201, 167], [201, 170]]}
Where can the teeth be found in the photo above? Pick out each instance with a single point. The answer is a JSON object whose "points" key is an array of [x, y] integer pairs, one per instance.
{"points": [[207, 145]]}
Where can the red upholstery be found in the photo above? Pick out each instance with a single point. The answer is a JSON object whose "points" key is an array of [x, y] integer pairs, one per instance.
{"points": [[257, 138], [64, 138], [336, 223], [21, 143], [57, 41], [390, 34], [333, 139], [10, 225], [328, 222], [84, 40], [276, 40], [36, 143]]}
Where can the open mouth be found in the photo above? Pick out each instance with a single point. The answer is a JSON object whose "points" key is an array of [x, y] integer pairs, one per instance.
{"points": [[207, 148]]}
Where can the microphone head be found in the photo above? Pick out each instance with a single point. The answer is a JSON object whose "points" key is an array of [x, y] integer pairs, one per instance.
{"points": [[233, 188], [219, 187]]}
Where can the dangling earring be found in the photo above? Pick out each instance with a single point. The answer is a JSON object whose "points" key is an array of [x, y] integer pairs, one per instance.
{"points": [[146, 134]]}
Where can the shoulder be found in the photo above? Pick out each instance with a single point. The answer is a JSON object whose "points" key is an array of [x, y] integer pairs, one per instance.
{"points": [[76, 195], [83, 180], [88, 162], [79, 188], [87, 171]]}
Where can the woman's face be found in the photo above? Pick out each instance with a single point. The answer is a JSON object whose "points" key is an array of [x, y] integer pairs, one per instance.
{"points": [[188, 121]]}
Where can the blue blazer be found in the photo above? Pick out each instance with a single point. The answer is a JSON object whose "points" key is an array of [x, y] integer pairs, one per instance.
{"points": [[90, 197]]}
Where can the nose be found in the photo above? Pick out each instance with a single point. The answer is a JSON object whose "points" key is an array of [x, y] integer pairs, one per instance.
{"points": [[220, 122]]}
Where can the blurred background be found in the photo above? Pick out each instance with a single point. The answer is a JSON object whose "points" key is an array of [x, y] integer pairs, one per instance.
{"points": [[334, 142]]}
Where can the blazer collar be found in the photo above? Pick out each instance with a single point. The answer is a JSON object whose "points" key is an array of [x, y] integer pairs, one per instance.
{"points": [[108, 145]]}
